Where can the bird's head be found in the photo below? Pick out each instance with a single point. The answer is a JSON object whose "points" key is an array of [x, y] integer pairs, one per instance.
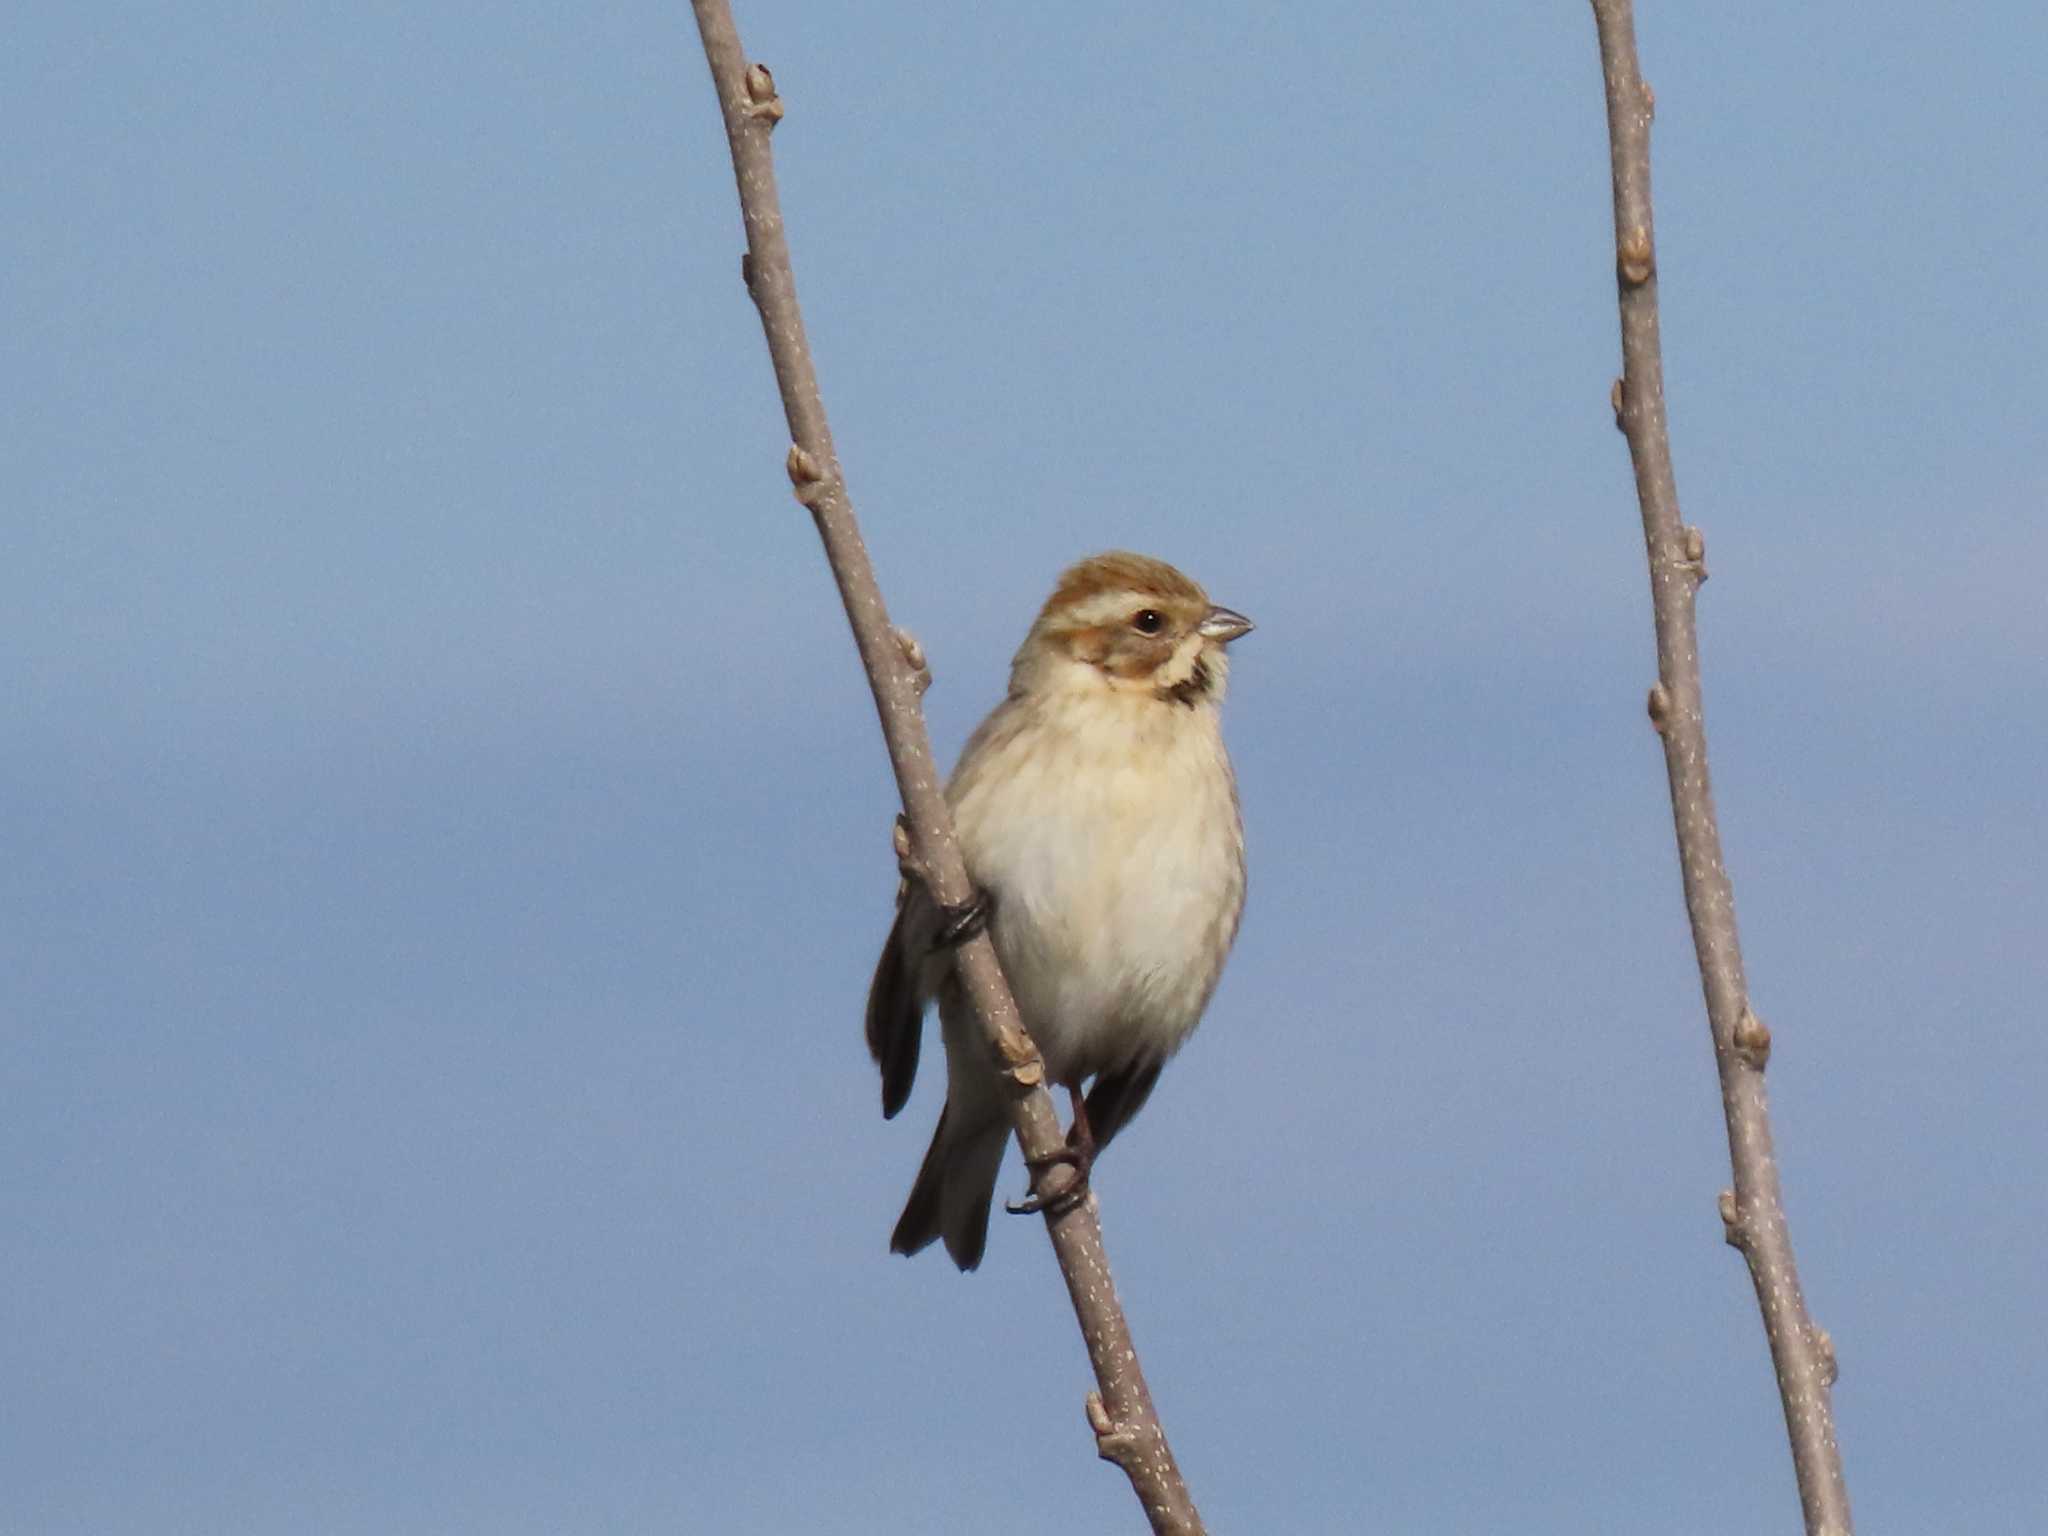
{"points": [[1132, 624]]}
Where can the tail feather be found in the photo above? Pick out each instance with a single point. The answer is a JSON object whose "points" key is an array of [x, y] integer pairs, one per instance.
{"points": [[954, 1189]]}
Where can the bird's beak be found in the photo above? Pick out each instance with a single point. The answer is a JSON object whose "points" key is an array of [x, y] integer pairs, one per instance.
{"points": [[1223, 626]]}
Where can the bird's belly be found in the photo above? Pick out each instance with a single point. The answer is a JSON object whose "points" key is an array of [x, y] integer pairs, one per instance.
{"points": [[1114, 912]]}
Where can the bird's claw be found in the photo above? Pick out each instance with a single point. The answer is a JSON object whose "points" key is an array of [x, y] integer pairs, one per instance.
{"points": [[969, 920], [1059, 1201]]}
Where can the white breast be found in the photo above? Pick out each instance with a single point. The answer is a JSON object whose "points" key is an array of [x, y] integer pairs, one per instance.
{"points": [[1107, 830]]}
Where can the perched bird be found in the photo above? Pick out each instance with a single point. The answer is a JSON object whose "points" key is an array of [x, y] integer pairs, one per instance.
{"points": [[1098, 817]]}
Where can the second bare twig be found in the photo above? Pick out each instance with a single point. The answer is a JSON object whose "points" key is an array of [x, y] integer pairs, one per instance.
{"points": [[1754, 1210]]}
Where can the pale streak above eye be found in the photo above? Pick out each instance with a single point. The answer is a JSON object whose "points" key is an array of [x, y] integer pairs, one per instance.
{"points": [[1104, 608]]}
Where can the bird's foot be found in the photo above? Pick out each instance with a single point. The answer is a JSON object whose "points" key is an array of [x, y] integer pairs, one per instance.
{"points": [[957, 924], [1056, 1202], [968, 920]]}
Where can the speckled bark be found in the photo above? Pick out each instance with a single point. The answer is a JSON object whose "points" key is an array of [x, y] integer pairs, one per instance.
{"points": [[1120, 1410], [1753, 1211]]}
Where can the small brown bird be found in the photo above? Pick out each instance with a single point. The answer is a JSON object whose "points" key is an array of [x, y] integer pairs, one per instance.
{"points": [[1098, 816]]}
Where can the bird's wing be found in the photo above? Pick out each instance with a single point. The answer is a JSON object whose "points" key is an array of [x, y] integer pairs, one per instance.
{"points": [[1119, 1095], [897, 996]]}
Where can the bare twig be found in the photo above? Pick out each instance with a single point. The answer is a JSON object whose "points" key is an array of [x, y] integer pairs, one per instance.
{"points": [[1120, 1412], [1753, 1212]]}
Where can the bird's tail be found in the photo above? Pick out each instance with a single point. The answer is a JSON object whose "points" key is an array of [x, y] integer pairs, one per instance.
{"points": [[953, 1190]]}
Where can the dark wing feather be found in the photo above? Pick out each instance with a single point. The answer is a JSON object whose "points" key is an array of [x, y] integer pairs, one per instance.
{"points": [[1119, 1095], [895, 1022]]}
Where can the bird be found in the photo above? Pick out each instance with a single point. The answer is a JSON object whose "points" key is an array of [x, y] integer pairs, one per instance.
{"points": [[1098, 816]]}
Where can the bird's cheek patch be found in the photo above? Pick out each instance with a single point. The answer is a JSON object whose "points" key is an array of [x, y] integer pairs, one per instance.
{"points": [[1136, 663], [1091, 645]]}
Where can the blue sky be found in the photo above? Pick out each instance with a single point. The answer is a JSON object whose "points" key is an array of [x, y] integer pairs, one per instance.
{"points": [[444, 837]]}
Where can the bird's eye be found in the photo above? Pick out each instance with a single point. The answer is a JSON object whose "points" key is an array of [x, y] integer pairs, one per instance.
{"points": [[1149, 621]]}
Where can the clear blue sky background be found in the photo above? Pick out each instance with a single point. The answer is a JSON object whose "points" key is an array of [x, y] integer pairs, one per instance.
{"points": [[444, 838]]}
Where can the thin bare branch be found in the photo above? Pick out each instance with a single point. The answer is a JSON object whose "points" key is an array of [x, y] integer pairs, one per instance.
{"points": [[1753, 1212], [1120, 1411]]}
